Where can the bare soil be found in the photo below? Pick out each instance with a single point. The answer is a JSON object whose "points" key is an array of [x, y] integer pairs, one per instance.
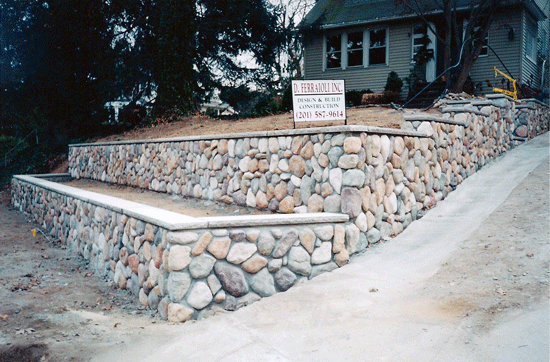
{"points": [[203, 125], [183, 205]]}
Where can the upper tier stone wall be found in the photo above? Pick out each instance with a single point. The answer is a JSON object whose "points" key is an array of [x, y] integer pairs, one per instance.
{"points": [[383, 179]]}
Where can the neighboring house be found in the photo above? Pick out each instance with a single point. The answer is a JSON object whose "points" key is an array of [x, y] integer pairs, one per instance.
{"points": [[218, 108], [361, 41], [114, 107]]}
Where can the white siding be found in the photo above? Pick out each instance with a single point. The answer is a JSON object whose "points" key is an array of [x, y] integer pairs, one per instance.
{"points": [[370, 77], [529, 73], [508, 50]]}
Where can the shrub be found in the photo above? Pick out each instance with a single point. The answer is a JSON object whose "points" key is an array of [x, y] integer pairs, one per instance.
{"points": [[393, 83]]}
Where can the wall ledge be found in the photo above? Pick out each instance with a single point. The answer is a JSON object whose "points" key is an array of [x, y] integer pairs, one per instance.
{"points": [[282, 133]]}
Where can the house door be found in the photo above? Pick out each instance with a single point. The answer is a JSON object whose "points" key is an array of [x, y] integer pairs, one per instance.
{"points": [[424, 51], [430, 66]]}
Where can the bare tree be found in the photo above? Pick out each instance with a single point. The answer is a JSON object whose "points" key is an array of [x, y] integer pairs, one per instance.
{"points": [[461, 27]]}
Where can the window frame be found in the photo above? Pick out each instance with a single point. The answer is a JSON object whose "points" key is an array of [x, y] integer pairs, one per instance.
{"points": [[485, 48], [360, 50], [345, 51], [326, 52], [531, 46], [386, 46]]}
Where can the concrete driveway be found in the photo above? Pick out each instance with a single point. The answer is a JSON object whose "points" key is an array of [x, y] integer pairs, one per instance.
{"points": [[467, 282]]}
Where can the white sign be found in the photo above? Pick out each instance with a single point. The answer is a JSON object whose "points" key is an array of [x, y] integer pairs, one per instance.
{"points": [[318, 100]]}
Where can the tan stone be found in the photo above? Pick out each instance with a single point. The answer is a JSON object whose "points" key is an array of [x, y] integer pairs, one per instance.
{"points": [[307, 151], [399, 146], [297, 196], [287, 205], [133, 261], [219, 247], [315, 203], [342, 258], [273, 145], [296, 145], [307, 239], [365, 197], [326, 189], [179, 313], [390, 186], [149, 235], [263, 165], [261, 200], [352, 145], [143, 297], [254, 264], [395, 161], [371, 220], [179, 257], [123, 256], [339, 239], [222, 147], [380, 190], [280, 191], [146, 250], [253, 165], [201, 244], [297, 166], [323, 160], [252, 235], [157, 258], [270, 192]]}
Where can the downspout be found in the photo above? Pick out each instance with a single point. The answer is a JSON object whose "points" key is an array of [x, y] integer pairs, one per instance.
{"points": [[542, 75]]}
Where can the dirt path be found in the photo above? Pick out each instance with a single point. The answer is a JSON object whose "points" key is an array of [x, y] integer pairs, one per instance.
{"points": [[52, 306]]}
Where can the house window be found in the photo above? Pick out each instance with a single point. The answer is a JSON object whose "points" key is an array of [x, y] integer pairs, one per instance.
{"points": [[475, 36], [377, 47], [531, 46], [334, 51], [355, 49], [484, 48]]}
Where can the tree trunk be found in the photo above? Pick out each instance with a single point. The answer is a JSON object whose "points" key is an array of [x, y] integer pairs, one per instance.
{"points": [[469, 61]]}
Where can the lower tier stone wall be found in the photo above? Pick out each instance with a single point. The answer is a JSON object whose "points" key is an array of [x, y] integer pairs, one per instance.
{"points": [[188, 267]]}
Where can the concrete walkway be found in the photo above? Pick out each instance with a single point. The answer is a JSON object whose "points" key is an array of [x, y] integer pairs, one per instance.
{"points": [[336, 317]]}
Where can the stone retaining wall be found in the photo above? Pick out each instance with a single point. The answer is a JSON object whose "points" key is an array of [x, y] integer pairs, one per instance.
{"points": [[383, 179], [185, 267]]}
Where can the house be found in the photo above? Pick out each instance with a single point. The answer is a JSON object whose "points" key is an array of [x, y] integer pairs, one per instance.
{"points": [[216, 107], [362, 41]]}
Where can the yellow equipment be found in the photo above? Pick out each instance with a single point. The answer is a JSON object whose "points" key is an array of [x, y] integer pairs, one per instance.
{"points": [[513, 94]]}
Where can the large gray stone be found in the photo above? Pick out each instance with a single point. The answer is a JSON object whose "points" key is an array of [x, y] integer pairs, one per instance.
{"points": [[348, 161], [323, 268], [351, 201], [373, 235], [353, 178], [332, 203], [322, 254], [284, 279], [299, 260], [352, 238], [201, 266], [232, 279], [285, 243], [200, 296], [265, 243], [178, 284], [262, 283], [239, 252], [334, 155]]}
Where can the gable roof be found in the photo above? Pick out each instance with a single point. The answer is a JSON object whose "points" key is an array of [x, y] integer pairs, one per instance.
{"points": [[339, 13]]}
